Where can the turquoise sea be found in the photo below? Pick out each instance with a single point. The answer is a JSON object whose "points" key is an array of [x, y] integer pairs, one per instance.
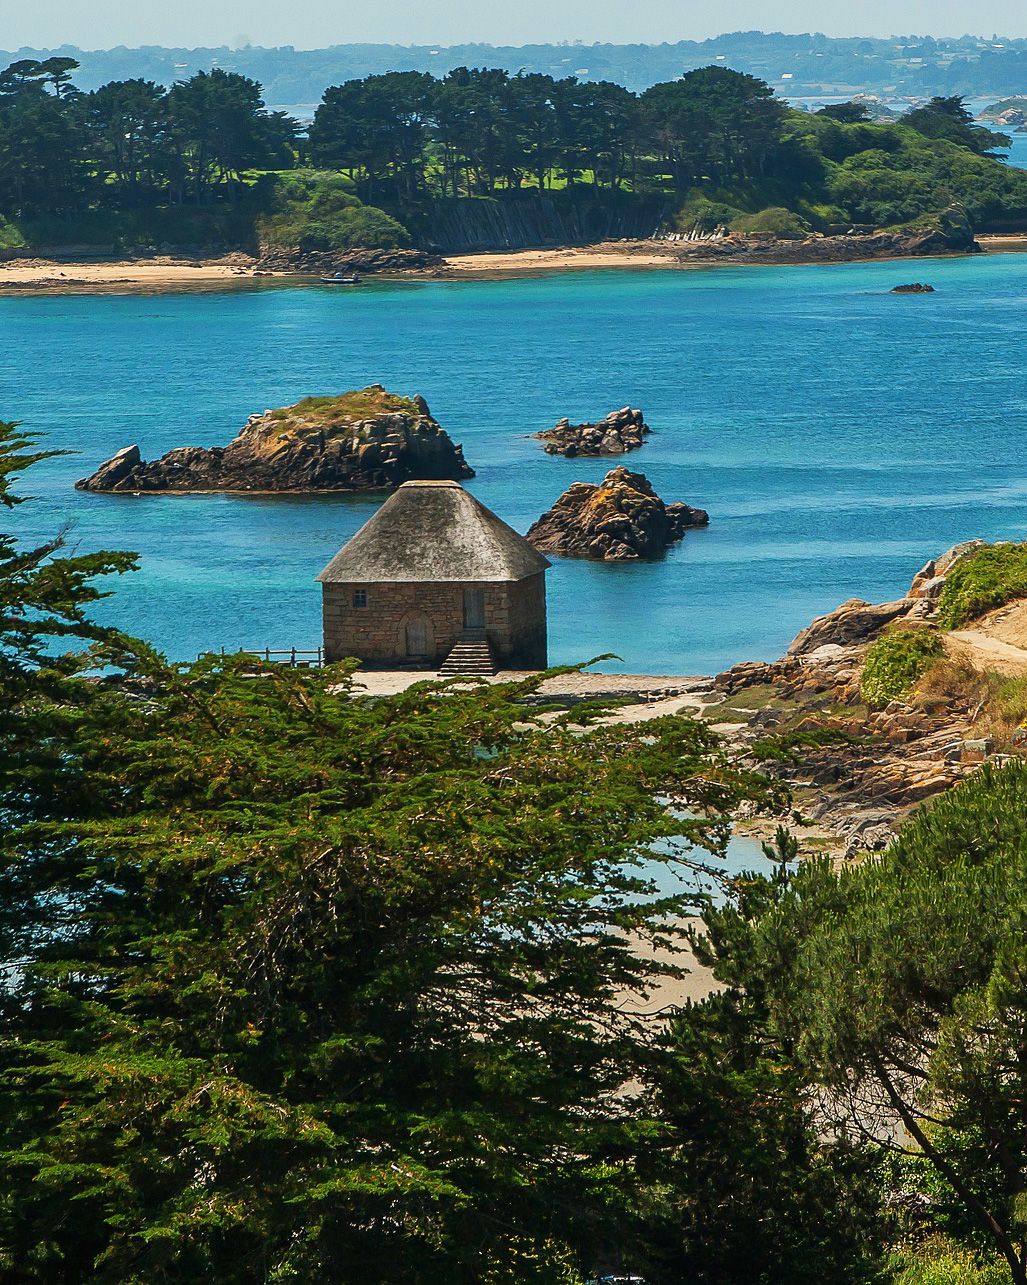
{"points": [[838, 435]]}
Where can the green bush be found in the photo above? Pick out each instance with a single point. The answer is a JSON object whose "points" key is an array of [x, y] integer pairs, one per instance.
{"points": [[950, 1266], [314, 210], [362, 226], [775, 220], [700, 214], [11, 237], [823, 216], [894, 663], [982, 581]]}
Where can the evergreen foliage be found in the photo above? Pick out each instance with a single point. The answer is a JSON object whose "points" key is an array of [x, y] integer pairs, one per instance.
{"points": [[744, 1156], [133, 162], [901, 982], [302, 985]]}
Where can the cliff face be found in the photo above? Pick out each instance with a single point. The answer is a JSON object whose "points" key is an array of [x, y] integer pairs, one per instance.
{"points": [[620, 519], [359, 441], [528, 220]]}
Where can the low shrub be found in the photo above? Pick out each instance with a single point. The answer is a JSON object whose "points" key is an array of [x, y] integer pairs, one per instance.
{"points": [[774, 221], [311, 210], [998, 702], [792, 747], [982, 581], [950, 1266], [700, 214], [11, 237], [894, 663]]}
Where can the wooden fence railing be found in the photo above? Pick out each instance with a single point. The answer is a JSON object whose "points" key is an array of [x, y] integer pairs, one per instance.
{"points": [[294, 657]]}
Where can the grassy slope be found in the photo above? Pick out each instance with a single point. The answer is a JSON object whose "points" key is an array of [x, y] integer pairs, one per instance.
{"points": [[345, 408]]}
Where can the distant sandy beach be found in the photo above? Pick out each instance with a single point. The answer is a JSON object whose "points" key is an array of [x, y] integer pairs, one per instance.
{"points": [[609, 254], [51, 276], [1007, 242], [680, 255]]}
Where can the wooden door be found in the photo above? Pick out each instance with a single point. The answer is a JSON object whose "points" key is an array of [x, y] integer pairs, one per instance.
{"points": [[417, 638], [474, 608]]}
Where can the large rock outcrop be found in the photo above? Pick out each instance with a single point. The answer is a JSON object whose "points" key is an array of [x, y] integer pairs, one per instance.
{"points": [[619, 519], [621, 431], [857, 622], [852, 623], [360, 441]]}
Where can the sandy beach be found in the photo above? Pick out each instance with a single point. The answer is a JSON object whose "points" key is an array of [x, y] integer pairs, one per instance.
{"points": [[1004, 242], [608, 254], [680, 255], [53, 276], [164, 273]]}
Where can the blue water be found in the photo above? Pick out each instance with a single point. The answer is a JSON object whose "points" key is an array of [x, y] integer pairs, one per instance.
{"points": [[839, 436]]}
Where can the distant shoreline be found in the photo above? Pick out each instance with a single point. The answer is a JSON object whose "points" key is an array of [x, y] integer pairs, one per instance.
{"points": [[67, 276], [683, 255]]}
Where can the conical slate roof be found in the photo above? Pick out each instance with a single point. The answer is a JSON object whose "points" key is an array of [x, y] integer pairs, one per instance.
{"points": [[433, 531]]}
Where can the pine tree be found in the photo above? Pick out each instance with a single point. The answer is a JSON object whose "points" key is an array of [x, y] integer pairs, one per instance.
{"points": [[304, 985]]}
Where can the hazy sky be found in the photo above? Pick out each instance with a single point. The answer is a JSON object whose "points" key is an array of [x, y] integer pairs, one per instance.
{"points": [[93, 24]]}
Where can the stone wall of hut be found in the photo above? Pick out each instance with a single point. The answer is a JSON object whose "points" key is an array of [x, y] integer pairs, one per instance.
{"points": [[515, 621]]}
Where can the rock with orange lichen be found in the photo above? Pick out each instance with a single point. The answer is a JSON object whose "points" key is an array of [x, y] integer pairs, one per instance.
{"points": [[620, 519]]}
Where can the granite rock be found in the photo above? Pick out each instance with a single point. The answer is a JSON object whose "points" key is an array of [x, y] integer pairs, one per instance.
{"points": [[621, 431], [620, 519], [361, 441]]}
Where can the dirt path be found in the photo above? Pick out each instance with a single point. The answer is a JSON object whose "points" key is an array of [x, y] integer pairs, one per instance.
{"points": [[986, 652]]}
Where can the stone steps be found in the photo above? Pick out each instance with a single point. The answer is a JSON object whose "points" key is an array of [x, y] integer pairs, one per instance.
{"points": [[470, 656]]}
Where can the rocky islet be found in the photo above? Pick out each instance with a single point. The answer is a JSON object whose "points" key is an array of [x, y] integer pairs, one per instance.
{"points": [[366, 440], [619, 519], [621, 431]]}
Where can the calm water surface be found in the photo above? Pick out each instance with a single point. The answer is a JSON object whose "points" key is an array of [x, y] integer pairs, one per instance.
{"points": [[839, 436]]}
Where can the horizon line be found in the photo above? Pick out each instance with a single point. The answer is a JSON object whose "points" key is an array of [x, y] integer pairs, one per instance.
{"points": [[577, 43]]}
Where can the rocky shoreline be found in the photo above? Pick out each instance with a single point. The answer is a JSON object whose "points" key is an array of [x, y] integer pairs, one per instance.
{"points": [[83, 273], [742, 249], [853, 771]]}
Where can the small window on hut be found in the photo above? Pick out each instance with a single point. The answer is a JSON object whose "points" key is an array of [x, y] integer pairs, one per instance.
{"points": [[359, 597]]}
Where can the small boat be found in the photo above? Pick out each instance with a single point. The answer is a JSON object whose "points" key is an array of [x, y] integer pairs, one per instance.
{"points": [[339, 280]]}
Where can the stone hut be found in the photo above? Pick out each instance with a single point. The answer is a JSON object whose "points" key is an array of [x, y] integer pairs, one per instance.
{"points": [[436, 581]]}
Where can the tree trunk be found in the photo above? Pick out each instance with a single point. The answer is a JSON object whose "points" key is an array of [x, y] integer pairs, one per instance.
{"points": [[983, 1215]]}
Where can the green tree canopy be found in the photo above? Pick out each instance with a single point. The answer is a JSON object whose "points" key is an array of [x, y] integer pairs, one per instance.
{"points": [[902, 984], [302, 985], [851, 113], [948, 118], [716, 124]]}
